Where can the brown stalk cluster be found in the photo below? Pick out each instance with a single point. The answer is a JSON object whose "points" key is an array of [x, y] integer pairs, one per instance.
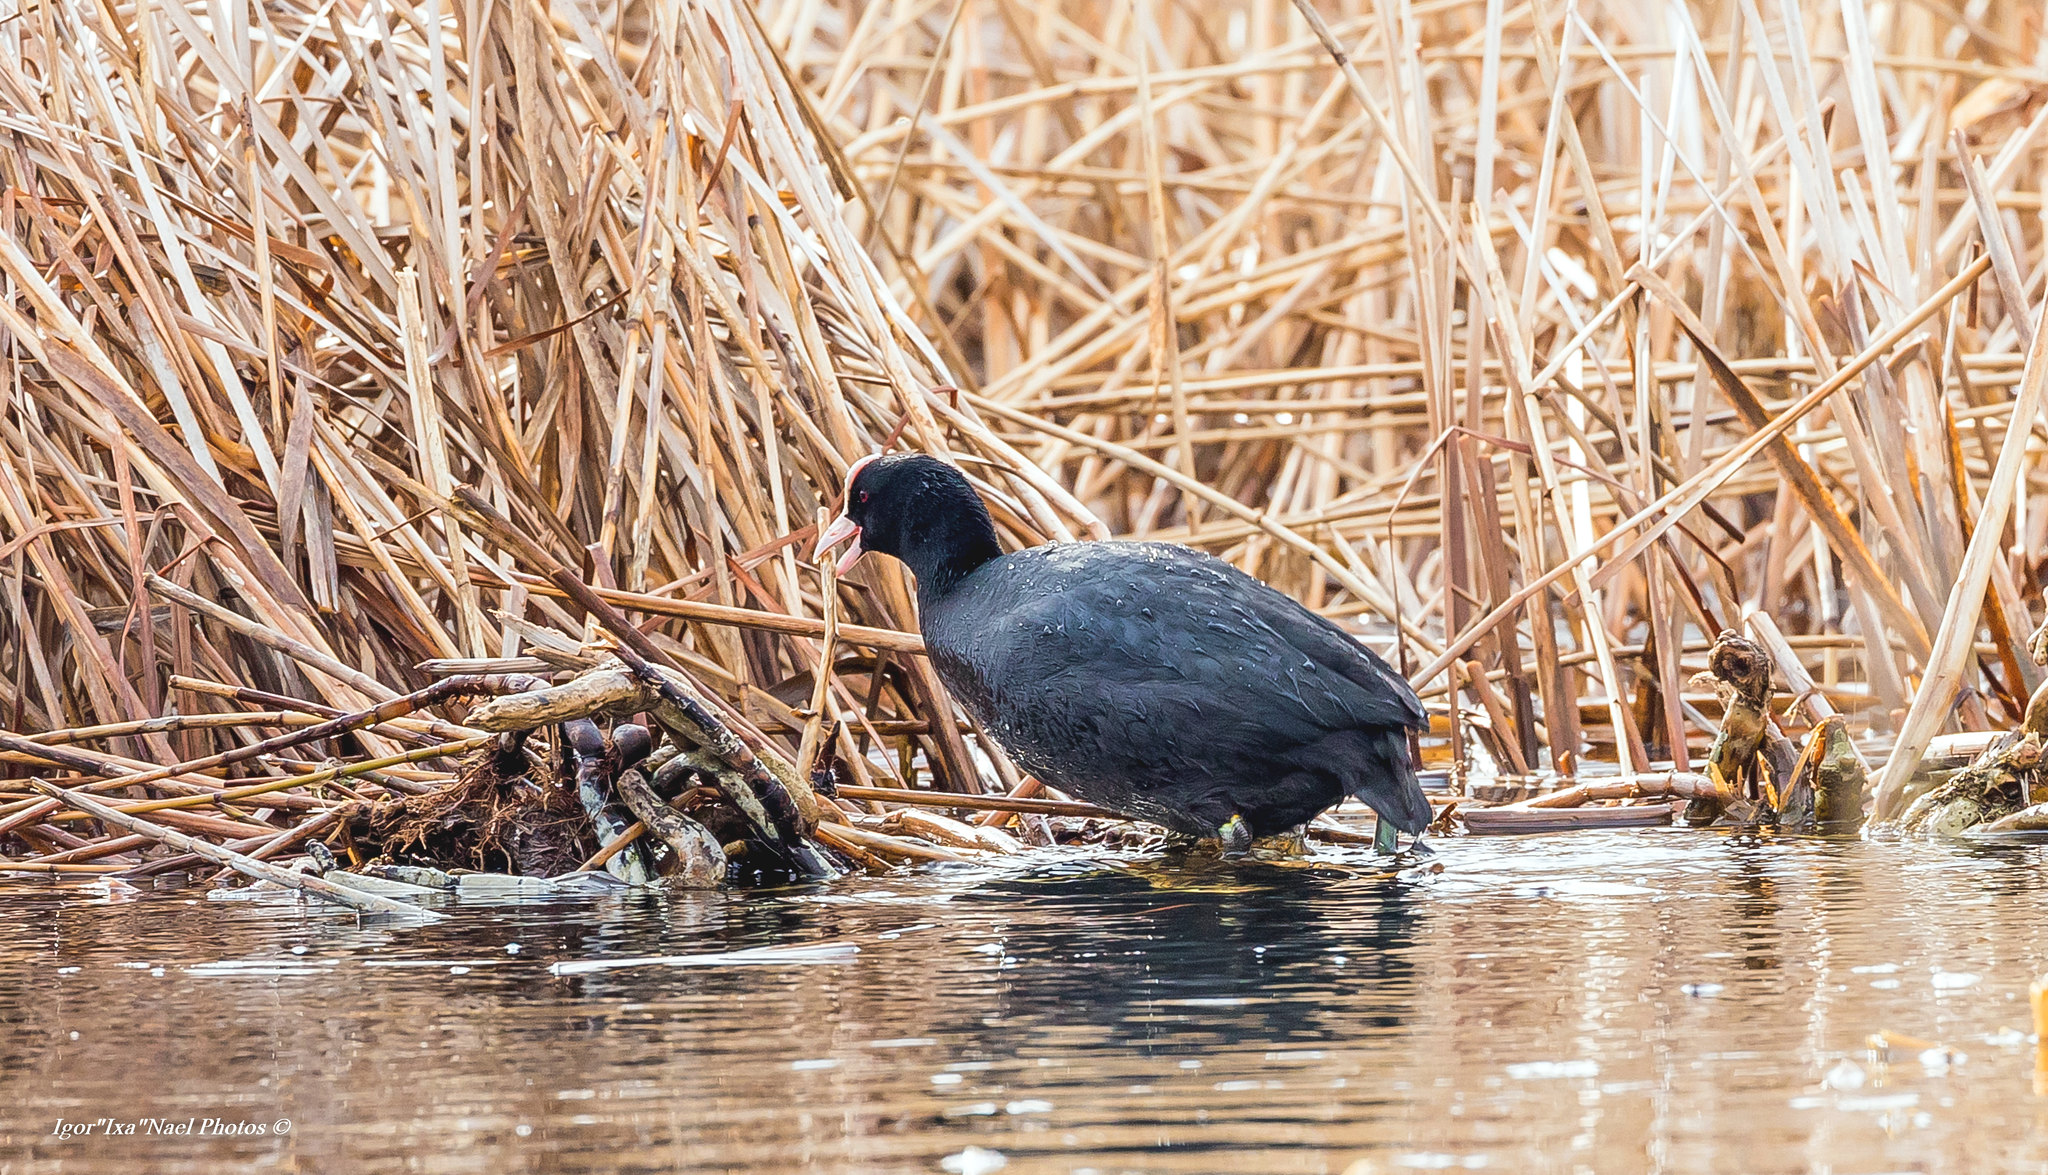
{"points": [[1554, 347]]}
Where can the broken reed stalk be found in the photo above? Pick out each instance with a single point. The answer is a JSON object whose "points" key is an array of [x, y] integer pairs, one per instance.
{"points": [[900, 795], [1230, 292], [320, 887], [1955, 641]]}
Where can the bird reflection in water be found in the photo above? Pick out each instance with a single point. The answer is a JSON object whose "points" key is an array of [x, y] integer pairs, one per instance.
{"points": [[1240, 953]]}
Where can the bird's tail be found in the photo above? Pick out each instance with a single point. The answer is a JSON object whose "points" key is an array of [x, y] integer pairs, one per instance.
{"points": [[1384, 778]]}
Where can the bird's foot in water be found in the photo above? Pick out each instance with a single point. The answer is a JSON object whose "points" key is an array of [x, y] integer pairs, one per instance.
{"points": [[1416, 853], [1235, 836], [1386, 843]]}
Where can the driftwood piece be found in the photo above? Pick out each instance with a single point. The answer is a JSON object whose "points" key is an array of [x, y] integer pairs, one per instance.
{"points": [[605, 690], [1826, 790], [700, 859], [1564, 810], [1750, 759], [945, 830], [1682, 784], [2007, 778], [881, 843], [2033, 819], [1516, 819]]}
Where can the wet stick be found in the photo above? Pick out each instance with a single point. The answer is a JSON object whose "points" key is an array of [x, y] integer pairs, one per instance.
{"points": [[613, 847], [882, 844], [700, 859], [1682, 784], [976, 803], [2034, 819], [267, 849]]}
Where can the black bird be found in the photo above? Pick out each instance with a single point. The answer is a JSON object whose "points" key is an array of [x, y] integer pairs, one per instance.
{"points": [[1147, 678]]}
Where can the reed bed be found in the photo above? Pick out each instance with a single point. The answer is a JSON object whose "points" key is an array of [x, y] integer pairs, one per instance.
{"points": [[1539, 341]]}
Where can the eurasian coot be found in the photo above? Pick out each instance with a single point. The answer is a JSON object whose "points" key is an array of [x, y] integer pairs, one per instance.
{"points": [[1147, 678]]}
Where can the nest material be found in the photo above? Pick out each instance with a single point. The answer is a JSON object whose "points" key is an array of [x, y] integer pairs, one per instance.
{"points": [[1996, 785], [524, 824], [1999, 784]]}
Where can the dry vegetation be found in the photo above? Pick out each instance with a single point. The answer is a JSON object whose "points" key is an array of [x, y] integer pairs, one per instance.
{"points": [[1559, 338]]}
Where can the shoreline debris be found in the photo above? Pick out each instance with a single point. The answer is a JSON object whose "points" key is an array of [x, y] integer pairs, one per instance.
{"points": [[1754, 774], [2002, 791]]}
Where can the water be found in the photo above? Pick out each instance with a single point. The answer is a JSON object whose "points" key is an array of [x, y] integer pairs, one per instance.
{"points": [[1602, 1001]]}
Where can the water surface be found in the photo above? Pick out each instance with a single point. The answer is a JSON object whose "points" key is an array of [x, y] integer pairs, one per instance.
{"points": [[1601, 1002]]}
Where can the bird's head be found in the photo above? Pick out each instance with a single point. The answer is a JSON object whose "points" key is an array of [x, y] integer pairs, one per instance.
{"points": [[918, 509]]}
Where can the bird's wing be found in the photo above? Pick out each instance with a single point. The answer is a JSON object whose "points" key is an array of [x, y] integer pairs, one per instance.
{"points": [[1155, 656], [1385, 697], [1370, 692]]}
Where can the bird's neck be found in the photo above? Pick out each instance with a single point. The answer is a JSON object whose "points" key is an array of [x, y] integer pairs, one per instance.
{"points": [[950, 554]]}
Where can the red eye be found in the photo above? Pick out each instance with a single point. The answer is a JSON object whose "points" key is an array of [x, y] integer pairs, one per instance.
{"points": [[863, 495]]}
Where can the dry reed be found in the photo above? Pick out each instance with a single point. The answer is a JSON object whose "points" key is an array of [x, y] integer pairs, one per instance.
{"points": [[1554, 338]]}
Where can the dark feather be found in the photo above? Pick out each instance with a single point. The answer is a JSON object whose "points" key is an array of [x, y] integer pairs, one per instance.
{"points": [[1148, 678], [1160, 681]]}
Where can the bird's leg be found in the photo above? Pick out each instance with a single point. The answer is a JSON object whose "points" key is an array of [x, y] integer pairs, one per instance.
{"points": [[1385, 841], [1236, 836]]}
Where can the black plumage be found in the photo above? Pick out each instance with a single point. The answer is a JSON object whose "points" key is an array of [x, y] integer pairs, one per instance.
{"points": [[1145, 677]]}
